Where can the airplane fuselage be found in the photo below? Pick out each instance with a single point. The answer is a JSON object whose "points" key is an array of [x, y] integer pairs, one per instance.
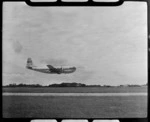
{"points": [[49, 69], [54, 71], [40, 70]]}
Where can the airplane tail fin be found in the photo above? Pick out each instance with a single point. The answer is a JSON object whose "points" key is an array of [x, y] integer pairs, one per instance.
{"points": [[29, 63]]}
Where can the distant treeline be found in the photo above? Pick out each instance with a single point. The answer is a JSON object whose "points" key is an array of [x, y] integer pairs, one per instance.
{"points": [[68, 85], [23, 85], [74, 84]]}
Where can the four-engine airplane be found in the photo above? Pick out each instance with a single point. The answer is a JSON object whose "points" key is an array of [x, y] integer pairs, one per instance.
{"points": [[49, 69]]}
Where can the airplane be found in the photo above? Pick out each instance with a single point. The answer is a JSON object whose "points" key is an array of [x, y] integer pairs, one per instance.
{"points": [[49, 69]]}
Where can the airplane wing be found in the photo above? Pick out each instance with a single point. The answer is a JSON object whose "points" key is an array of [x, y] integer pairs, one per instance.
{"points": [[50, 67], [53, 69]]}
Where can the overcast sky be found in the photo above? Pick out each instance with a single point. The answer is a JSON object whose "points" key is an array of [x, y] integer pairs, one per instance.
{"points": [[108, 45]]}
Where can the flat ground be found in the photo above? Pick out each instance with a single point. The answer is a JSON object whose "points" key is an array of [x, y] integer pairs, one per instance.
{"points": [[76, 89], [75, 106]]}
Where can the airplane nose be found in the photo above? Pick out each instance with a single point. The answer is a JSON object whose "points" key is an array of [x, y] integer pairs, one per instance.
{"points": [[74, 68]]}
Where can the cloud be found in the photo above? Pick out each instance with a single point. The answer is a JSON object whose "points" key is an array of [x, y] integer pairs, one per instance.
{"points": [[54, 62], [75, 37], [17, 47], [82, 75], [13, 74]]}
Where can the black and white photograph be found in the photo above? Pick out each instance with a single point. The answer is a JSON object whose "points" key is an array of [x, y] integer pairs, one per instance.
{"points": [[74, 62]]}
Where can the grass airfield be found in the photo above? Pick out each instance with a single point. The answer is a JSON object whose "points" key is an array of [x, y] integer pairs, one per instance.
{"points": [[75, 106]]}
